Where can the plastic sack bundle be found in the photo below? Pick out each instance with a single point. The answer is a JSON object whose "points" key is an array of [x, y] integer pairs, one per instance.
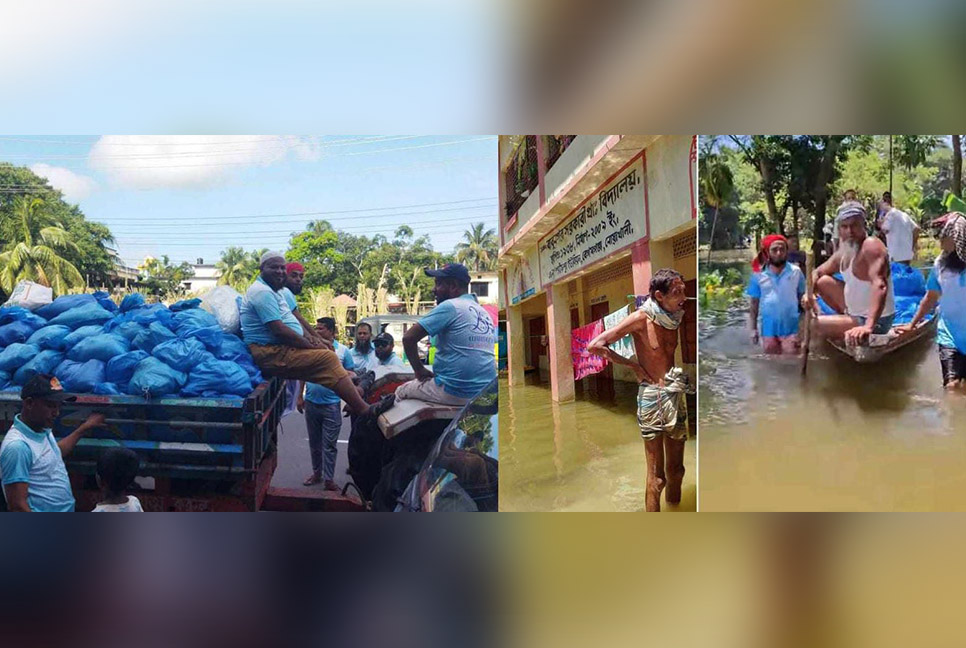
{"points": [[86, 315], [105, 301], [217, 377], [127, 330], [80, 377], [154, 313], [107, 389], [152, 336], [231, 347], [99, 347], [907, 281], [180, 354], [10, 314], [65, 303], [44, 362], [222, 302], [82, 333], [4, 379], [17, 355], [132, 302], [15, 332], [210, 336], [120, 369], [153, 378], [184, 304], [30, 295], [193, 318], [50, 337]]}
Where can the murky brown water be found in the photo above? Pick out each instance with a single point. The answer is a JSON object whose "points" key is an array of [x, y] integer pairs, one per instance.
{"points": [[876, 437], [582, 456]]}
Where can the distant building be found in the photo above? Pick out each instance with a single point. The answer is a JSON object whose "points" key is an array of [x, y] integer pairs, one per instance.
{"points": [[486, 286], [205, 277]]}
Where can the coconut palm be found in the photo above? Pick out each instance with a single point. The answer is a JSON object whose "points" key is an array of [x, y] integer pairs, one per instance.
{"points": [[34, 249], [233, 266], [479, 249], [717, 187]]}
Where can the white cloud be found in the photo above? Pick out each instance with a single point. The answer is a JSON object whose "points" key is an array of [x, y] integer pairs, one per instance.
{"points": [[191, 161], [75, 187]]}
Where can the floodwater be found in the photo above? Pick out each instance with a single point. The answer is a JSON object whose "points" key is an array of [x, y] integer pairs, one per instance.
{"points": [[875, 437], [581, 456]]}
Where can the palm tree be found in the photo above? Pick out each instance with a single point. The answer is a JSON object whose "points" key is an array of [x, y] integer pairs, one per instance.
{"points": [[33, 253], [233, 266], [479, 249], [717, 185]]}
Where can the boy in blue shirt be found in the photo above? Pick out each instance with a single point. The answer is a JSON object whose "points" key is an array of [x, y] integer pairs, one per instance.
{"points": [[775, 291]]}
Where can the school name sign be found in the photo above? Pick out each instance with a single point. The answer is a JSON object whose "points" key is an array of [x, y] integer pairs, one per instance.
{"points": [[610, 220]]}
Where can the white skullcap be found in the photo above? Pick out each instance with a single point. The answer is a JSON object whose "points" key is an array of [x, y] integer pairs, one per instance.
{"points": [[271, 255]]}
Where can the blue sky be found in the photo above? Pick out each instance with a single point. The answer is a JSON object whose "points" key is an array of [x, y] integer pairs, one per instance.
{"points": [[192, 196]]}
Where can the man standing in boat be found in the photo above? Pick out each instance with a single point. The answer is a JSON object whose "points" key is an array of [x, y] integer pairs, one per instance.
{"points": [[947, 286], [775, 291], [864, 302], [661, 407]]}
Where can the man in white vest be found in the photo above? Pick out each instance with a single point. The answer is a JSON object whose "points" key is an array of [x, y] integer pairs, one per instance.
{"points": [[31, 460]]}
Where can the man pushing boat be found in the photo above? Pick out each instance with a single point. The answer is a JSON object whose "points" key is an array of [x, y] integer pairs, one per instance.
{"points": [[865, 302]]}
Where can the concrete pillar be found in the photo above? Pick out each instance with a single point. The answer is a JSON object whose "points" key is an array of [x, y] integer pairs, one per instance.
{"points": [[641, 267], [516, 342], [558, 333]]}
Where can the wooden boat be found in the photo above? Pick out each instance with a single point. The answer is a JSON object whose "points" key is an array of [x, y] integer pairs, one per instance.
{"points": [[882, 345]]}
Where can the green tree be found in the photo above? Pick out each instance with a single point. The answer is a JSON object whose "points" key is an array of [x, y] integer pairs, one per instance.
{"points": [[163, 279], [235, 267], [35, 248], [717, 185], [479, 248]]}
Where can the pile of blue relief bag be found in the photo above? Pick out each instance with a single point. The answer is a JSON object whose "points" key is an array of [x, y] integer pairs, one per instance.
{"points": [[151, 350], [909, 287]]}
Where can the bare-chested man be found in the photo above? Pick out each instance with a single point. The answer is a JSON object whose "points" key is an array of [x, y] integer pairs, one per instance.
{"points": [[661, 407], [865, 302]]}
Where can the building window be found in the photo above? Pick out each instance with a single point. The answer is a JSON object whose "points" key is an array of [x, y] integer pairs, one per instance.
{"points": [[187, 285], [480, 288]]}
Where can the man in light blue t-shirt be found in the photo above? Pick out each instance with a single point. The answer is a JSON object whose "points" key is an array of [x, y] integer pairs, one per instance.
{"points": [[294, 275], [362, 352], [32, 466], [383, 344], [465, 338]]}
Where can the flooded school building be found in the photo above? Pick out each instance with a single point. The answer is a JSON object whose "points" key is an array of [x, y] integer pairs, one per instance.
{"points": [[584, 222]]}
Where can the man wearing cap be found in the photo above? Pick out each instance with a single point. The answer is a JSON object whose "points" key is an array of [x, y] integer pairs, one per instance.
{"points": [[465, 336], [383, 344], [775, 291], [32, 466], [864, 302], [277, 340]]}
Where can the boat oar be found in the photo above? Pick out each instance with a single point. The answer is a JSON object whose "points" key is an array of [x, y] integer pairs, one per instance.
{"points": [[809, 268]]}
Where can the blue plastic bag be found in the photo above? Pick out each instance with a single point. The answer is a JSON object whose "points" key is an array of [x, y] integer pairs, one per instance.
{"points": [[184, 304], [120, 368], [99, 347], [107, 389], [128, 330], [82, 333], [217, 377], [231, 347], [211, 336], [154, 313], [193, 318], [105, 301], [63, 304], [181, 354], [4, 379], [152, 336], [132, 302], [43, 363], [87, 315], [80, 377], [15, 332], [10, 314], [17, 355], [153, 378], [907, 281], [50, 337]]}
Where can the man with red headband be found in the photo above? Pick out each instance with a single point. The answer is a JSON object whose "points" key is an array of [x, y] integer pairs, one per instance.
{"points": [[775, 290], [294, 275]]}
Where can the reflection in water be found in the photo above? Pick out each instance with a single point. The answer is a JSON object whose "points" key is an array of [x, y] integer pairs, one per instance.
{"points": [[881, 436], [582, 456]]}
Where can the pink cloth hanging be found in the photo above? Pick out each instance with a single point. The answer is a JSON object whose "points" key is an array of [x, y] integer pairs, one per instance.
{"points": [[586, 363]]}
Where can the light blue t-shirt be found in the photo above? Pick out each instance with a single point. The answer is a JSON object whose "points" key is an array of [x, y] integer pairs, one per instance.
{"points": [[289, 298], [35, 458], [465, 338], [392, 361], [951, 286], [364, 363], [261, 306], [315, 393], [779, 296]]}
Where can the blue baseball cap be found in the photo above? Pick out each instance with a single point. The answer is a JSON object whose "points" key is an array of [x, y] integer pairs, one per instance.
{"points": [[451, 270]]}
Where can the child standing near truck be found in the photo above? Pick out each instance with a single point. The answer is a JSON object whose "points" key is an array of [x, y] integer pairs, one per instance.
{"points": [[116, 469]]}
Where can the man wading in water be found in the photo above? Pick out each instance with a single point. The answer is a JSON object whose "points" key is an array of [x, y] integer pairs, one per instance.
{"points": [[661, 408], [865, 301]]}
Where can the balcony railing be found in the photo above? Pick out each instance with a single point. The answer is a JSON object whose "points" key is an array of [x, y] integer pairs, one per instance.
{"points": [[556, 145], [521, 177]]}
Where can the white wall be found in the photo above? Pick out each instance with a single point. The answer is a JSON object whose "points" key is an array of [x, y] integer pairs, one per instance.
{"points": [[668, 184]]}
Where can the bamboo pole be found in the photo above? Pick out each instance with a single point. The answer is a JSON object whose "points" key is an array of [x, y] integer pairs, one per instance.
{"points": [[809, 311]]}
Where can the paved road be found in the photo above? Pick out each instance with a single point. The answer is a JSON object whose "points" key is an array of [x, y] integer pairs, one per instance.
{"points": [[294, 463]]}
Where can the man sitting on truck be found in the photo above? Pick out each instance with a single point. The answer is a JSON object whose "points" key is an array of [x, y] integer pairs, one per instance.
{"points": [[31, 460], [383, 345], [465, 337], [277, 341], [294, 274]]}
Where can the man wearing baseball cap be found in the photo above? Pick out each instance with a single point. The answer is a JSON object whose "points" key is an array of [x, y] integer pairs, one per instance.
{"points": [[278, 343], [465, 337], [32, 466], [383, 344]]}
